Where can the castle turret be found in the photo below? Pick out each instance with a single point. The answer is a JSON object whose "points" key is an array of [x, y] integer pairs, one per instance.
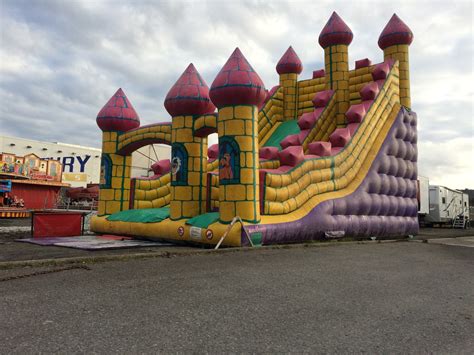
{"points": [[116, 117], [238, 91], [394, 40], [289, 67], [187, 100], [335, 38]]}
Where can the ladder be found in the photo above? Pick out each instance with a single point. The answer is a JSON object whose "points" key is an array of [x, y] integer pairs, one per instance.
{"points": [[459, 222]]}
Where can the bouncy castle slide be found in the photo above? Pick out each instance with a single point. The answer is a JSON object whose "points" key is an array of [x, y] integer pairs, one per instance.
{"points": [[332, 155]]}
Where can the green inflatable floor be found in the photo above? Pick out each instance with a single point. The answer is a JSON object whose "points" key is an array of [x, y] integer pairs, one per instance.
{"points": [[147, 215], [283, 130], [203, 220]]}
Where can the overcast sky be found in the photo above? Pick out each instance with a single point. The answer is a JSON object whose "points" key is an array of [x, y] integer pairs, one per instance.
{"points": [[60, 61]]}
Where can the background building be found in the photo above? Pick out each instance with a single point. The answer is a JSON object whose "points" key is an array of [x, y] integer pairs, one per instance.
{"points": [[81, 165]]}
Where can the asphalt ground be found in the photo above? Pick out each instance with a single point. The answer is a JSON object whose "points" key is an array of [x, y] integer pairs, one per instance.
{"points": [[402, 297], [11, 251]]}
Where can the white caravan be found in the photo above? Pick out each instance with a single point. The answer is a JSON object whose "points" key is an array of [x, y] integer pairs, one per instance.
{"points": [[448, 206]]}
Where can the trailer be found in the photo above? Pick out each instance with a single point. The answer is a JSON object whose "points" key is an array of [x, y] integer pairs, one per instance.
{"points": [[447, 207]]}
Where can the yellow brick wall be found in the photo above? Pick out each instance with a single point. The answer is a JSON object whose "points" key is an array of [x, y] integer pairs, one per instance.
{"points": [[358, 78], [270, 115], [289, 83], [336, 63], [241, 198], [214, 196], [116, 198], [325, 125], [158, 131], [400, 53], [189, 200], [205, 122], [152, 193], [306, 91]]}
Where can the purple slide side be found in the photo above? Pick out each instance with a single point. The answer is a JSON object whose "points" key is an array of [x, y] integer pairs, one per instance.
{"points": [[384, 205]]}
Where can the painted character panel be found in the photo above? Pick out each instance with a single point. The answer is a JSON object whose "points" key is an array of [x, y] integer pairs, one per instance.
{"points": [[179, 165], [105, 172], [229, 161]]}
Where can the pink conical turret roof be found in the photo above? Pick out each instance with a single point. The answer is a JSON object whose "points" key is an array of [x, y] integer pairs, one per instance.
{"points": [[237, 83], [189, 95], [289, 63], [118, 114], [395, 32], [335, 32]]}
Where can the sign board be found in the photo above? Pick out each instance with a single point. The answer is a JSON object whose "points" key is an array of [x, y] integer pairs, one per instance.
{"points": [[75, 177], [209, 234], [195, 232]]}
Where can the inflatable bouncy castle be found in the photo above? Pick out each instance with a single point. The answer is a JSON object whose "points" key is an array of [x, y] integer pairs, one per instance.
{"points": [[334, 155]]}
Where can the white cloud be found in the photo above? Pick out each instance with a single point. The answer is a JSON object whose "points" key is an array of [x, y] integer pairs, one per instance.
{"points": [[60, 61], [444, 162]]}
